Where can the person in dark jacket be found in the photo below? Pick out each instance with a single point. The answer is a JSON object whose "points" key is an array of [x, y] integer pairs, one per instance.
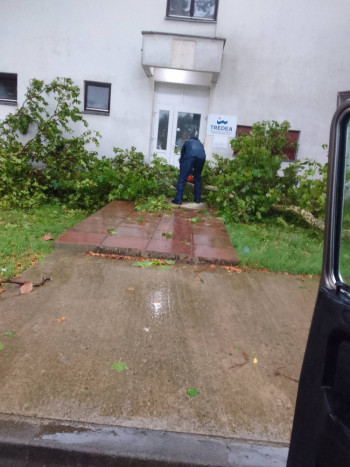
{"points": [[191, 162]]}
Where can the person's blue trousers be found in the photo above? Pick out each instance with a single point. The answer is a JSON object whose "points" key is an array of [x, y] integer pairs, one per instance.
{"points": [[190, 165]]}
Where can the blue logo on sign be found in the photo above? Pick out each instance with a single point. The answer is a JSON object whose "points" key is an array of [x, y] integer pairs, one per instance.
{"points": [[222, 122]]}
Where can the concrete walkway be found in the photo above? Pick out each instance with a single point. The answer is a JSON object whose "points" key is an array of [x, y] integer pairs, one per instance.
{"points": [[238, 339], [191, 235]]}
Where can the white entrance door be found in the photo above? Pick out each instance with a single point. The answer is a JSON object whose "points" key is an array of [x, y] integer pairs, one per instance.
{"points": [[179, 113]]}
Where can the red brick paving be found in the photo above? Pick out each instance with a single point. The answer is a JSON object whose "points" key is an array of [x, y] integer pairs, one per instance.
{"points": [[118, 228]]}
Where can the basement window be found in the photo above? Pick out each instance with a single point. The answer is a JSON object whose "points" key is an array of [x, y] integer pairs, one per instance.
{"points": [[8, 88], [97, 98], [293, 135], [192, 9]]}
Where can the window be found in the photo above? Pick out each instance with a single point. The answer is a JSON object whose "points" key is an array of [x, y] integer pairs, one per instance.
{"points": [[293, 135], [8, 88], [97, 97], [344, 240], [192, 9]]}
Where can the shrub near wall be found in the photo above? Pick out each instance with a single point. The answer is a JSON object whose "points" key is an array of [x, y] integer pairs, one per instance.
{"points": [[250, 184], [126, 176], [49, 111], [63, 168]]}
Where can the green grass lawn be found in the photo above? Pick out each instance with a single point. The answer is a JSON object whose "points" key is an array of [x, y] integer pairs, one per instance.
{"points": [[21, 233], [273, 245], [279, 248]]}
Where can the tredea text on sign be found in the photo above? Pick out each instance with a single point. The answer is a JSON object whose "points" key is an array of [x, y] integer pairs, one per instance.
{"points": [[219, 124]]}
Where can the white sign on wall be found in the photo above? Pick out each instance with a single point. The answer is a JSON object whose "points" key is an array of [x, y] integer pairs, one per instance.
{"points": [[219, 124], [220, 141]]}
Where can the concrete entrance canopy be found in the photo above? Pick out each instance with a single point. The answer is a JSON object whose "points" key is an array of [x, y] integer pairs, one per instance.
{"points": [[182, 58]]}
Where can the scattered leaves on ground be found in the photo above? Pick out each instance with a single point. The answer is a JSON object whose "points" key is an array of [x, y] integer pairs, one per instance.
{"points": [[109, 255], [131, 288], [60, 320], [27, 287], [194, 220], [192, 392], [255, 361], [167, 234], [112, 232], [143, 264], [231, 269], [1, 347], [140, 219], [161, 263], [2, 291], [119, 366], [9, 333], [47, 237]]}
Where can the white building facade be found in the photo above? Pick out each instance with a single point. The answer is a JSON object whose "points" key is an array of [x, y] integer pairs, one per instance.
{"points": [[154, 72]]}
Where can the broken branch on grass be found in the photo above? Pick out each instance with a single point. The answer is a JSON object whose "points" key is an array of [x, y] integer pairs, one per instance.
{"points": [[305, 215], [17, 282]]}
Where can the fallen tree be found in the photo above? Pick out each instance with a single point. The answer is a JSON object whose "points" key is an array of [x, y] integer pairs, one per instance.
{"points": [[307, 216]]}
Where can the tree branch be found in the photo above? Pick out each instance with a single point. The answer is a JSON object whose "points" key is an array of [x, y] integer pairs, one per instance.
{"points": [[305, 215]]}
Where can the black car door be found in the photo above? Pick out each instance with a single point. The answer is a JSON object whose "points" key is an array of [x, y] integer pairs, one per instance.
{"points": [[321, 428]]}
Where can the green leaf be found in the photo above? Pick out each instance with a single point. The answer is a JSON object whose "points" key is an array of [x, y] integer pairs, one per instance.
{"points": [[9, 333], [140, 219], [1, 347], [167, 234], [112, 231], [169, 261], [192, 392], [164, 267], [194, 220], [143, 264], [119, 366]]}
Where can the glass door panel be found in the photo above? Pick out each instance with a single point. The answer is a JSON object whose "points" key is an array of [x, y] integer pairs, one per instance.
{"points": [[187, 123], [187, 126], [163, 128]]}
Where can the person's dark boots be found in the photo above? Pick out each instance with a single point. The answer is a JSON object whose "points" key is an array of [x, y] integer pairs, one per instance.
{"points": [[176, 202]]}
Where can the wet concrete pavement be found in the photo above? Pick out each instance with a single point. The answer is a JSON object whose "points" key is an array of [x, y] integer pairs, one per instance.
{"points": [[236, 338]]}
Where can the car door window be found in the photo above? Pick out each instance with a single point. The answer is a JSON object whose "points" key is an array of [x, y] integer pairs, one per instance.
{"points": [[344, 253]]}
